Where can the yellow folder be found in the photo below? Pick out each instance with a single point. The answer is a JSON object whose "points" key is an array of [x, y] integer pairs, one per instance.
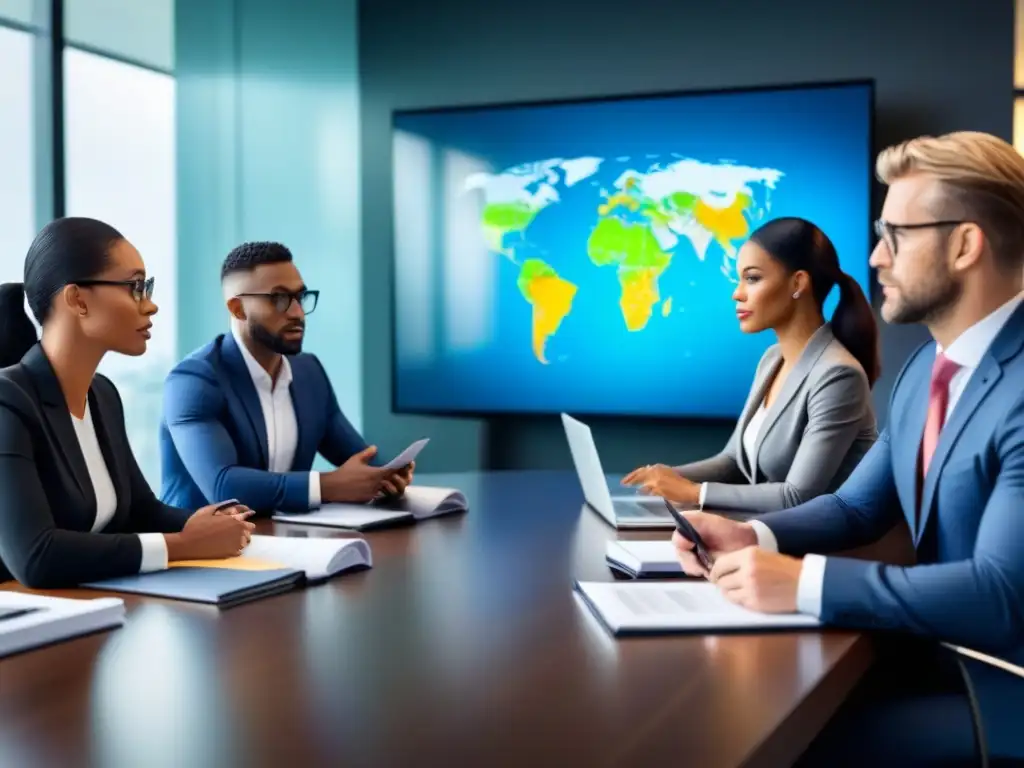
{"points": [[239, 563]]}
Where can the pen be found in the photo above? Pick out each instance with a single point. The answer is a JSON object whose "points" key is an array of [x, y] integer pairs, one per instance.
{"points": [[686, 528]]}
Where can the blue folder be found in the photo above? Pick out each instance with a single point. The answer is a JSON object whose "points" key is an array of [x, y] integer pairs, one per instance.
{"points": [[223, 587]]}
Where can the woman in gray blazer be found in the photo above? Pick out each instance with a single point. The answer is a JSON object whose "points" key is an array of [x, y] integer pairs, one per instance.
{"points": [[808, 419]]}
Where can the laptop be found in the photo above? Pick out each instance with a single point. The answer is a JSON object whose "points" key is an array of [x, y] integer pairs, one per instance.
{"points": [[629, 511]]}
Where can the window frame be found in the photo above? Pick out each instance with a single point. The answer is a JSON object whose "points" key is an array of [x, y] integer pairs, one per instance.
{"points": [[49, 116], [51, 180]]}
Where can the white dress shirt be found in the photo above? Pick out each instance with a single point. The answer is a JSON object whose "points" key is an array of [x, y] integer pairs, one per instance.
{"points": [[967, 350], [154, 546], [278, 417], [751, 433]]}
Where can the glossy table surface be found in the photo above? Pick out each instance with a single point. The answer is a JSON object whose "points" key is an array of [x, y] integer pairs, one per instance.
{"points": [[464, 645]]}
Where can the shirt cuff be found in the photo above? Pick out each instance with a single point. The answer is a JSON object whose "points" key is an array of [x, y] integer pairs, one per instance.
{"points": [[154, 552], [314, 490], [703, 493], [765, 538], [810, 586]]}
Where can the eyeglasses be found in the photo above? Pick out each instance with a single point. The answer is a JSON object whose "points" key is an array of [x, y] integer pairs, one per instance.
{"points": [[885, 230], [141, 288], [282, 300]]}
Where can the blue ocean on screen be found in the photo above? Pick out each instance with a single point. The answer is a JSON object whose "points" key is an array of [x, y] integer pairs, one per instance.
{"points": [[581, 256]]}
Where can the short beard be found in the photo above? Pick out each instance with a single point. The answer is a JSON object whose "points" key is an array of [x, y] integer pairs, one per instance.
{"points": [[929, 305], [274, 343]]}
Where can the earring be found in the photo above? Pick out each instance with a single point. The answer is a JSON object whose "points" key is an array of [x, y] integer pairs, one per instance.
{"points": [[796, 295]]}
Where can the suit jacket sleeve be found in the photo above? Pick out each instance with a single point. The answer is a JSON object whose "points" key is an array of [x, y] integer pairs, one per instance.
{"points": [[38, 553], [835, 413], [720, 468], [193, 402], [147, 514], [978, 602], [341, 440], [863, 510]]}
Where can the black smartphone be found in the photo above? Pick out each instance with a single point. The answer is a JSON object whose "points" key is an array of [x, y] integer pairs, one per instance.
{"points": [[687, 529]]}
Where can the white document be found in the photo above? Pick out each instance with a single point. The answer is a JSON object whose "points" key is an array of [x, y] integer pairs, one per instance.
{"points": [[428, 501], [320, 558], [406, 456], [644, 558], [659, 607], [52, 619], [355, 516], [418, 503]]}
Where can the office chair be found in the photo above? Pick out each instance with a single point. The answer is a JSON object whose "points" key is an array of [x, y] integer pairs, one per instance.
{"points": [[959, 653]]}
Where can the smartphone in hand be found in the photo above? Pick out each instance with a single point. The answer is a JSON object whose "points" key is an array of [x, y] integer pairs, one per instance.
{"points": [[686, 528]]}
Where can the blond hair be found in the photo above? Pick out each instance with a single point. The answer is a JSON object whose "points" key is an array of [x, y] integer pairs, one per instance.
{"points": [[982, 176]]}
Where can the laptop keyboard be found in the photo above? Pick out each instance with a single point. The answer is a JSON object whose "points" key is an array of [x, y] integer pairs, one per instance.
{"points": [[631, 509]]}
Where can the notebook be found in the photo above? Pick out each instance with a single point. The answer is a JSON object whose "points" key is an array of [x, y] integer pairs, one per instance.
{"points": [[636, 608], [644, 559], [419, 503], [318, 559], [224, 585], [30, 621]]}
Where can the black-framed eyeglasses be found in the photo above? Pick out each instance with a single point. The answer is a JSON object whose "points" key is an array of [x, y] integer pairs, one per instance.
{"points": [[142, 288], [282, 300], [886, 230]]}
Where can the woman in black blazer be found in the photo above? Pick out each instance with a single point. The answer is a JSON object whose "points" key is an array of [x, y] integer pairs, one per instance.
{"points": [[74, 506]]}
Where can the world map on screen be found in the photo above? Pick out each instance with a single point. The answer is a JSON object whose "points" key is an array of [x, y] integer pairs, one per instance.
{"points": [[628, 219]]}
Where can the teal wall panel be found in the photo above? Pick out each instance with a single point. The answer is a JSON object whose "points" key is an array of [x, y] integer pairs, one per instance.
{"points": [[268, 132]]}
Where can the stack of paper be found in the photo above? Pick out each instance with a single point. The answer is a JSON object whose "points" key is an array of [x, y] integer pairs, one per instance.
{"points": [[692, 606], [318, 558], [30, 621], [644, 559], [419, 503]]}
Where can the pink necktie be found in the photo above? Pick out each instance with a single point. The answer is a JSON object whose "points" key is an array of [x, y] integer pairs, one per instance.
{"points": [[938, 400]]}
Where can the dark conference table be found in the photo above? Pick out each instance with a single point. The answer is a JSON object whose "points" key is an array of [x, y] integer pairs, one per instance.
{"points": [[464, 645]]}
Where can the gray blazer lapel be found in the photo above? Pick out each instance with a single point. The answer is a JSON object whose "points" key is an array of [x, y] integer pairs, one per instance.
{"points": [[816, 345], [766, 372]]}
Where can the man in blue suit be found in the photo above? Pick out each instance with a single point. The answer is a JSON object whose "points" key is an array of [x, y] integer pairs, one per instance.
{"points": [[950, 255], [245, 415]]}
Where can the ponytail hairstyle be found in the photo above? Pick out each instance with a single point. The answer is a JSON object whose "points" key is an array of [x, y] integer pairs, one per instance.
{"points": [[800, 245], [64, 252]]}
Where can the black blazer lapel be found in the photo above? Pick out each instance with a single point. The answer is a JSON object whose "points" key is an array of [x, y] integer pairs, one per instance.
{"points": [[58, 418], [239, 381]]}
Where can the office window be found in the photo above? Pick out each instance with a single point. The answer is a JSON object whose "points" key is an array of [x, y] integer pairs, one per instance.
{"points": [[17, 151], [19, 12], [120, 168], [140, 31]]}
